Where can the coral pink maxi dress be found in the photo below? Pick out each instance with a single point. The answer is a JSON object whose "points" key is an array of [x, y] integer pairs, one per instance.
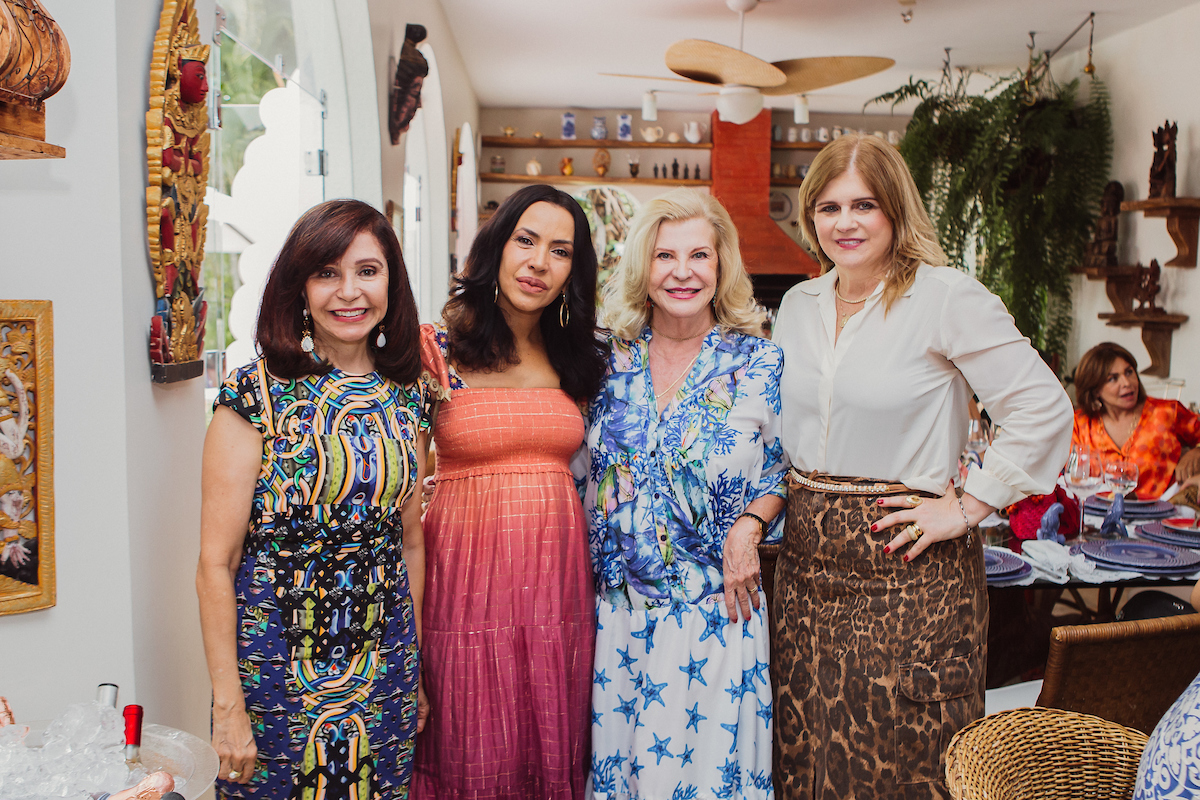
{"points": [[509, 609]]}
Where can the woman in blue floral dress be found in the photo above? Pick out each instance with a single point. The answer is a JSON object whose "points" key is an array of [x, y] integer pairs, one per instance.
{"points": [[685, 479], [312, 559]]}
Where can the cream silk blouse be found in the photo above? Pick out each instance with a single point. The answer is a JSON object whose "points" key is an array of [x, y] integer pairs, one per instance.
{"points": [[889, 400]]}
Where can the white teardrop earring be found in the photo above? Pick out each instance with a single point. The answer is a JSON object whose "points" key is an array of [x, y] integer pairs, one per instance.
{"points": [[380, 340], [306, 341]]}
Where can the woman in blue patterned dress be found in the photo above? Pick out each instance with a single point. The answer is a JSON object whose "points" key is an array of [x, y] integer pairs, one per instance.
{"points": [[312, 559], [1170, 765], [684, 481]]}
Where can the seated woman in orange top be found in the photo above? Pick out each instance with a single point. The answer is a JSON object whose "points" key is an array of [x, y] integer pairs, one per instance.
{"points": [[1116, 418]]}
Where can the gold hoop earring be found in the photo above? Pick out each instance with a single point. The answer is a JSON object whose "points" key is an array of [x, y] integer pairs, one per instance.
{"points": [[564, 312]]}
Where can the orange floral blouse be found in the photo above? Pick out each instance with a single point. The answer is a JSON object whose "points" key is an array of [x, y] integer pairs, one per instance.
{"points": [[1155, 444]]}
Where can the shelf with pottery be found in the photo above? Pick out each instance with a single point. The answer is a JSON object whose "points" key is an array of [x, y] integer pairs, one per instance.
{"points": [[797, 145], [612, 144], [579, 180]]}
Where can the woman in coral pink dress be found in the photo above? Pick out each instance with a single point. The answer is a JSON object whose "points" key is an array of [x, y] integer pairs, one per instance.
{"points": [[509, 616]]}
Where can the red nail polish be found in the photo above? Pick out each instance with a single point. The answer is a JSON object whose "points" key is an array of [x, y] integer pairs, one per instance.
{"points": [[874, 527], [906, 556], [887, 549], [879, 502]]}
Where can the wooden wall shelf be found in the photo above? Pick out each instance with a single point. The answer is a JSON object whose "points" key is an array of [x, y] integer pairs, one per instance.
{"points": [[1183, 223], [577, 180], [14, 147], [614, 144], [1156, 336], [797, 145]]}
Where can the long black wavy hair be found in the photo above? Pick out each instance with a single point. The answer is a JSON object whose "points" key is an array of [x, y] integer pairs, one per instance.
{"points": [[480, 339]]}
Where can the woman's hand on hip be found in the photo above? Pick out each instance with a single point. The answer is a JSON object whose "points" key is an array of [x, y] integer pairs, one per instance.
{"points": [[234, 743], [919, 521], [740, 568]]}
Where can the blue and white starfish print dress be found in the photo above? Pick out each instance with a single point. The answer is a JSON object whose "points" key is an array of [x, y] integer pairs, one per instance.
{"points": [[681, 698]]}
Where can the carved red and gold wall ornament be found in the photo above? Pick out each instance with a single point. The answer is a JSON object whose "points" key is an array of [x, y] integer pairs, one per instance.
{"points": [[34, 63], [177, 151]]}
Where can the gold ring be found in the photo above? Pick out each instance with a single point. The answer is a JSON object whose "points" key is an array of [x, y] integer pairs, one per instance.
{"points": [[914, 500], [234, 774], [914, 530]]}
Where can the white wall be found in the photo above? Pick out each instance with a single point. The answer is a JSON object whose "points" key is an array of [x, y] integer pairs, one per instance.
{"points": [[127, 453], [388, 20], [1151, 73]]}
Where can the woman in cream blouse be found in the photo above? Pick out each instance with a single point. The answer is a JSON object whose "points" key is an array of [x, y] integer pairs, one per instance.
{"points": [[880, 606]]}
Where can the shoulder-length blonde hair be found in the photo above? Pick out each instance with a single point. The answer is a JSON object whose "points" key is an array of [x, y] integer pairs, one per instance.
{"points": [[914, 239], [626, 311]]}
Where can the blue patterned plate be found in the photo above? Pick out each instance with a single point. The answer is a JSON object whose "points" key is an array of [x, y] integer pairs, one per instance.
{"points": [[1155, 532], [1159, 510], [1105, 498], [1139, 556], [1001, 564], [1011, 578]]}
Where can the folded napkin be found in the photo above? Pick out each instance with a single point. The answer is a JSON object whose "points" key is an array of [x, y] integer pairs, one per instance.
{"points": [[1090, 572], [1050, 560]]}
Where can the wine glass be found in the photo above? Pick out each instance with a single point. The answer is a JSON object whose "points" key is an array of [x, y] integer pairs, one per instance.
{"points": [[1121, 476], [977, 438], [1084, 474]]}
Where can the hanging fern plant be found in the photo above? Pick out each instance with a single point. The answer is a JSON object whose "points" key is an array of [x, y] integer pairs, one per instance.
{"points": [[1013, 179]]}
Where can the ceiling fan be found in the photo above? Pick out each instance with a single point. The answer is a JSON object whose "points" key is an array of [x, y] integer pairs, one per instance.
{"points": [[744, 79]]}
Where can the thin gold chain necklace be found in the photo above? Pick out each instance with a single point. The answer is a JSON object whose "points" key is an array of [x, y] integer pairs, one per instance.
{"points": [[666, 391]]}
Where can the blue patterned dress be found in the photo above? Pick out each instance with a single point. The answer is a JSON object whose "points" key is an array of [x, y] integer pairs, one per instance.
{"points": [[681, 698], [1170, 765], [327, 647]]}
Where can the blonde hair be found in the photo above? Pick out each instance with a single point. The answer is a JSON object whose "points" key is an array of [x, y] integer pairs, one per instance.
{"points": [[626, 311], [914, 239]]}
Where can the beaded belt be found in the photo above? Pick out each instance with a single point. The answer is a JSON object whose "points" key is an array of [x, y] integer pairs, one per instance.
{"points": [[833, 486]]}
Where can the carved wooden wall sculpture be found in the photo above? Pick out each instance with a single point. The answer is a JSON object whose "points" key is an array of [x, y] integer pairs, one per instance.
{"points": [[34, 63], [177, 151], [26, 456]]}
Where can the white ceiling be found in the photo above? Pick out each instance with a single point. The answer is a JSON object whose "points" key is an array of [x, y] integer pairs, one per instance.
{"points": [[547, 53]]}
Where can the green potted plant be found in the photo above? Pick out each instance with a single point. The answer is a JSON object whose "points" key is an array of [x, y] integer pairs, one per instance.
{"points": [[1013, 179]]}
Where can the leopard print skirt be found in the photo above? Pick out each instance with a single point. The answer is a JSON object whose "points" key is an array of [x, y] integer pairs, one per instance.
{"points": [[876, 662]]}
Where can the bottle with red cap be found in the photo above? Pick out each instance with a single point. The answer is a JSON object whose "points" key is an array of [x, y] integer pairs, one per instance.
{"points": [[133, 732]]}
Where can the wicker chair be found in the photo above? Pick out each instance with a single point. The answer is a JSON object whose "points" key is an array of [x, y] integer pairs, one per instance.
{"points": [[1126, 672], [1043, 754]]}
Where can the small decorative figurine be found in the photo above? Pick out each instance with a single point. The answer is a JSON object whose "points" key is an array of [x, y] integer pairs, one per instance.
{"points": [[1112, 527], [1148, 287], [497, 164], [634, 166], [1162, 168], [601, 161], [685, 172], [566, 167], [625, 127], [652, 134], [1102, 252], [537, 135], [533, 166], [822, 134], [509, 130], [1048, 529], [656, 171], [672, 137], [599, 127], [675, 169], [568, 125]]}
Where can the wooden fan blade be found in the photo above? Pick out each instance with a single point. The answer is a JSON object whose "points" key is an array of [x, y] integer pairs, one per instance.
{"points": [[645, 77], [709, 62], [807, 74]]}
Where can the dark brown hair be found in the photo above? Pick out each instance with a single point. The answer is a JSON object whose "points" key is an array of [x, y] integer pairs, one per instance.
{"points": [[319, 238], [480, 338], [1092, 372]]}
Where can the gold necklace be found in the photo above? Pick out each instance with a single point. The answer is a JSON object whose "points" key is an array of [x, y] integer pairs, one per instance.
{"points": [[844, 318], [666, 392], [657, 332]]}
